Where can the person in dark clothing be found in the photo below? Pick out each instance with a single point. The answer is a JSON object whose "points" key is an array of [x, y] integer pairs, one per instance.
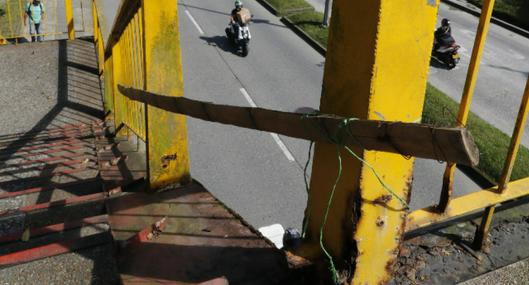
{"points": [[234, 19], [238, 7], [443, 35]]}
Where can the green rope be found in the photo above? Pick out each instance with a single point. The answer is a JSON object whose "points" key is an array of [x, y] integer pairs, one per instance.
{"points": [[345, 124], [332, 267], [380, 180], [307, 188], [339, 142]]}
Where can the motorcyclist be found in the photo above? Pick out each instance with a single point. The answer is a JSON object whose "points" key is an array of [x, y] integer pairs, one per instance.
{"points": [[443, 35], [236, 18]]}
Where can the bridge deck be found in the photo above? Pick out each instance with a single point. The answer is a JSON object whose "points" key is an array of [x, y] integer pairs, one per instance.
{"points": [[72, 205]]}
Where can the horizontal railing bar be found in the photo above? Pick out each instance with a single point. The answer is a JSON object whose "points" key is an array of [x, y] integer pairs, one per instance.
{"points": [[464, 218], [410, 139], [466, 204]]}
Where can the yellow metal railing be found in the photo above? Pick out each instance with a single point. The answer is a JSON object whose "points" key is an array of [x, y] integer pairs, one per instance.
{"points": [[135, 55], [14, 25], [448, 207]]}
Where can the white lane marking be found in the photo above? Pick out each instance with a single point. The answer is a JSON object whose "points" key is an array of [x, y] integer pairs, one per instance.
{"points": [[194, 22], [283, 147], [276, 138], [248, 98]]}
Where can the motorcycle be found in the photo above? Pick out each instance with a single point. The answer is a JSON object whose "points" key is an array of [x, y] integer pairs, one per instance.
{"points": [[239, 34], [448, 54]]}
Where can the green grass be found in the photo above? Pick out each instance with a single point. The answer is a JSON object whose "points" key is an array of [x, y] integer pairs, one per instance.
{"points": [[493, 144], [311, 23], [283, 6], [516, 11]]}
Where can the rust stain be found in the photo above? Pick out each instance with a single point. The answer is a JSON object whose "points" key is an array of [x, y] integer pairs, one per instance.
{"points": [[383, 200]]}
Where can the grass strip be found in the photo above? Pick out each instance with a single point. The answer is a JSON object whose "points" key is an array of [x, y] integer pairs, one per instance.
{"points": [[311, 23], [441, 110], [283, 6], [514, 11]]}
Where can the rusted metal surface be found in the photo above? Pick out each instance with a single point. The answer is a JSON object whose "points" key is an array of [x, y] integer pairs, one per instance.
{"points": [[53, 249], [57, 228], [197, 239]]}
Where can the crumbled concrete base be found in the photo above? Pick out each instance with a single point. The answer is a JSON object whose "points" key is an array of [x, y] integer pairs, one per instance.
{"points": [[446, 257]]}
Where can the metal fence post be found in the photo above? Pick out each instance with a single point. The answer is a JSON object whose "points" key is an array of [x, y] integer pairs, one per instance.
{"points": [[68, 6], [167, 152], [385, 76], [468, 92]]}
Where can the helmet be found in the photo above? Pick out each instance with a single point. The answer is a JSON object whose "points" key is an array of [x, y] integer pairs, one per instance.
{"points": [[238, 3], [445, 22]]}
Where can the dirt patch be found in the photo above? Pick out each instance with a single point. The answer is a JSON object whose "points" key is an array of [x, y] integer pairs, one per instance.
{"points": [[446, 257]]}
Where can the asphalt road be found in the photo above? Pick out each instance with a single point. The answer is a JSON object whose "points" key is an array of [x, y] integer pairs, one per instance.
{"points": [[254, 173]]}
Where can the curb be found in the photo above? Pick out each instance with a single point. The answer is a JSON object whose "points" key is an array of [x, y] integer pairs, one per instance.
{"points": [[477, 12], [304, 36], [268, 7]]}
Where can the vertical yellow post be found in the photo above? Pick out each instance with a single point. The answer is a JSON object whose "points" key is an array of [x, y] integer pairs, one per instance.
{"points": [[68, 6], [94, 22], [468, 91], [370, 71], [167, 152]]}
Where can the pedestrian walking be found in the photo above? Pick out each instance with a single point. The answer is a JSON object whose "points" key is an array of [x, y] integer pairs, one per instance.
{"points": [[36, 12]]}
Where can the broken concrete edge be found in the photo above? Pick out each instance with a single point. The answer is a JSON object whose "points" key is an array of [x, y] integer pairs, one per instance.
{"points": [[304, 36], [477, 12]]}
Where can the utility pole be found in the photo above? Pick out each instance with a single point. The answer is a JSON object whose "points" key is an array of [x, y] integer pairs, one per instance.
{"points": [[327, 13]]}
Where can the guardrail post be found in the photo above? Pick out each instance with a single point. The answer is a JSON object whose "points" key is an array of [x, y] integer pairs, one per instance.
{"points": [[167, 152], [383, 77], [468, 92], [68, 7]]}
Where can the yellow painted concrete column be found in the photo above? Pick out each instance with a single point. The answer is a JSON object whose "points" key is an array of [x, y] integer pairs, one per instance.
{"points": [[167, 152], [68, 6], [376, 68]]}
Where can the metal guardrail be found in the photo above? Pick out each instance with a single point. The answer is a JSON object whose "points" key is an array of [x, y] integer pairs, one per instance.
{"points": [[135, 55], [448, 207]]}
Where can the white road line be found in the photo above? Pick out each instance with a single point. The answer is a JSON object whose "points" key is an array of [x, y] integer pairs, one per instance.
{"points": [[276, 138], [283, 147], [248, 98], [194, 22]]}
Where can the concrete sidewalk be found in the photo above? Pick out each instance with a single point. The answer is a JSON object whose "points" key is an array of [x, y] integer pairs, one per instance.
{"points": [[516, 273]]}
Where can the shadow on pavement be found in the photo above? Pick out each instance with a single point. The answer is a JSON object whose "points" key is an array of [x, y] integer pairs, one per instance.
{"points": [[222, 42]]}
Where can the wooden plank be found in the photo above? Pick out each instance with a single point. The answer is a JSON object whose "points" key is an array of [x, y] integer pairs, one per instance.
{"points": [[409, 139]]}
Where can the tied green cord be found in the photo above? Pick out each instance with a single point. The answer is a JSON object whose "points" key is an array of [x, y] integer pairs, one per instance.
{"points": [[388, 188], [345, 124], [332, 267], [307, 188]]}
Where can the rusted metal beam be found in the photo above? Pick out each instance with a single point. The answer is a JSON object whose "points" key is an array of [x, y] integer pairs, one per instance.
{"points": [[419, 140], [65, 202], [36, 232], [53, 249]]}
